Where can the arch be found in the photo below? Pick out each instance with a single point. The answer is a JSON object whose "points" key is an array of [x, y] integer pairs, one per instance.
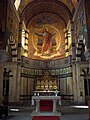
{"points": [[64, 7]]}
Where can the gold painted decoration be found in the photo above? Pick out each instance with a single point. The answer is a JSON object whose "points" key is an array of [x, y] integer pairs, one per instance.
{"points": [[46, 83]]}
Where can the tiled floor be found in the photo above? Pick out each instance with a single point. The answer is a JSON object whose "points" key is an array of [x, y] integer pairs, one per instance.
{"points": [[68, 113]]}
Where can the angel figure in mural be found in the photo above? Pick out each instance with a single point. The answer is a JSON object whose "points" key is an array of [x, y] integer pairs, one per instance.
{"points": [[47, 40]]}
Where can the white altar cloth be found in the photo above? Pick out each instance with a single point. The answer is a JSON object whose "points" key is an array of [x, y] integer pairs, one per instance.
{"points": [[58, 98]]}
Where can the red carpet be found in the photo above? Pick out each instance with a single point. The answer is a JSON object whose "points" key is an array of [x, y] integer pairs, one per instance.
{"points": [[46, 105], [46, 118]]}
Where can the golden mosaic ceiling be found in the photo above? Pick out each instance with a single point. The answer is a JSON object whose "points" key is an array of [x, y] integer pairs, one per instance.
{"points": [[54, 14]]}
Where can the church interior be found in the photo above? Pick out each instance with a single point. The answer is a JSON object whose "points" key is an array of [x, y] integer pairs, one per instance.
{"points": [[44, 48]]}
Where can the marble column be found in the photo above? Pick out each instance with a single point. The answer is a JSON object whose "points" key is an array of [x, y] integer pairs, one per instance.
{"points": [[87, 55], [19, 41], [79, 50], [54, 105], [74, 81], [1, 81], [88, 101], [37, 105], [87, 11], [26, 43], [66, 42], [18, 83], [73, 42]]}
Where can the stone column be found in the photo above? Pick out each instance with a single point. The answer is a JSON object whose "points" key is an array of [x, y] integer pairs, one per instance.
{"points": [[87, 51], [26, 43], [37, 105], [1, 81], [54, 105], [88, 101], [18, 83], [73, 42], [66, 42], [87, 11], [79, 49], [19, 42], [73, 63]]}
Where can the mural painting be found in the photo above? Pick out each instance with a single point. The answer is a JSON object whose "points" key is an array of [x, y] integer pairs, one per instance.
{"points": [[46, 41]]}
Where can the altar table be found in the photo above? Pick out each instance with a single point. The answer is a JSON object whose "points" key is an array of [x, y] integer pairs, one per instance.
{"points": [[46, 103], [46, 108]]}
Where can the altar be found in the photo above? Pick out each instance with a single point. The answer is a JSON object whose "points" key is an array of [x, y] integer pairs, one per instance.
{"points": [[46, 98], [46, 106], [46, 103]]}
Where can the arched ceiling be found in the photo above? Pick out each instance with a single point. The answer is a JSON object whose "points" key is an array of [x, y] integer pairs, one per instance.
{"points": [[50, 6], [56, 13], [69, 3]]}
